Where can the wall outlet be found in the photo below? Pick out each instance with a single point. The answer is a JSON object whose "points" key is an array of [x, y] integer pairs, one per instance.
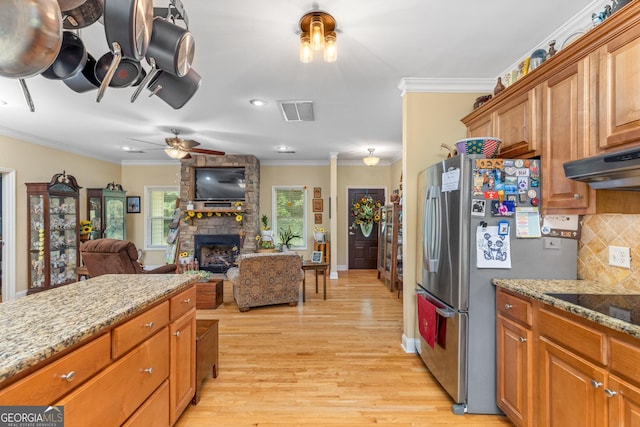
{"points": [[619, 256]]}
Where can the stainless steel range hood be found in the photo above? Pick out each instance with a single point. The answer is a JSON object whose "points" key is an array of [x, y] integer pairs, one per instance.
{"points": [[618, 170]]}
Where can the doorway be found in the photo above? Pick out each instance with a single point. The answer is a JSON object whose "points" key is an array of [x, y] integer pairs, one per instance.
{"points": [[363, 250]]}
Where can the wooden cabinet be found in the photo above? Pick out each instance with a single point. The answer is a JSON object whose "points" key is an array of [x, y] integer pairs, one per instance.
{"points": [[53, 219], [382, 237], [566, 137], [514, 355], [624, 402], [106, 209], [390, 244]]}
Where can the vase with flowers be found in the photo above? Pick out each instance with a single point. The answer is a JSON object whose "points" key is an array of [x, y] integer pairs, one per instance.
{"points": [[364, 214], [265, 229], [85, 230]]}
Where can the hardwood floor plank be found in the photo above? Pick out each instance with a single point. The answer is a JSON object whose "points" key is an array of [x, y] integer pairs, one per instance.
{"points": [[333, 362]]}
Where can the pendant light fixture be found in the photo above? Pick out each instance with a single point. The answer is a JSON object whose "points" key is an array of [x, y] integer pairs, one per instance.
{"points": [[318, 33], [371, 160]]}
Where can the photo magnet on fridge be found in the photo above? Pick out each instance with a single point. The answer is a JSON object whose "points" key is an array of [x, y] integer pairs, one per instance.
{"points": [[504, 208]]}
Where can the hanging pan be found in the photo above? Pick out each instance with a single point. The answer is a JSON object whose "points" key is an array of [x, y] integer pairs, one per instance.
{"points": [[70, 60], [127, 26], [128, 71], [83, 15], [175, 91], [85, 80]]}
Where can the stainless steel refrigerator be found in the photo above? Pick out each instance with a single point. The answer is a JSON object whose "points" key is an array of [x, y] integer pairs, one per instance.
{"points": [[458, 197]]}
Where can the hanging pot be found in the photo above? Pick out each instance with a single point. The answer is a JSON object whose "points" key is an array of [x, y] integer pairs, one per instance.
{"points": [[70, 60], [126, 74], [83, 15], [30, 36], [70, 4], [85, 80], [127, 26], [171, 46], [175, 91]]}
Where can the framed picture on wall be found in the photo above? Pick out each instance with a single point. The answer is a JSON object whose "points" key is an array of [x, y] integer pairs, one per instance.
{"points": [[317, 218], [317, 192], [317, 205], [133, 204]]}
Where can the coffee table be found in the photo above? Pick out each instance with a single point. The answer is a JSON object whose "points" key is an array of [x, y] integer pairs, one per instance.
{"points": [[317, 267]]}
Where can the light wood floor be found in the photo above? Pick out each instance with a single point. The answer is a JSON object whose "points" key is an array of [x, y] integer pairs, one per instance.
{"points": [[323, 363]]}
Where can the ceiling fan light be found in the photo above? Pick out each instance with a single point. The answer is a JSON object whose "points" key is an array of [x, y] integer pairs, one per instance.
{"points": [[175, 153], [371, 160]]}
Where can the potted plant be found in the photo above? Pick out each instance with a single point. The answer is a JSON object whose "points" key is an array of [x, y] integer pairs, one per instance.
{"points": [[265, 229], [286, 236]]}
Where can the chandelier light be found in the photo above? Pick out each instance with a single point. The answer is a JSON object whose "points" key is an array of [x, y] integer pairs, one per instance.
{"points": [[318, 33], [371, 160]]}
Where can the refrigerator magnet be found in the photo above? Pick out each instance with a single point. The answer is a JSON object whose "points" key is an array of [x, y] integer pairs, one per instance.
{"points": [[503, 228]]}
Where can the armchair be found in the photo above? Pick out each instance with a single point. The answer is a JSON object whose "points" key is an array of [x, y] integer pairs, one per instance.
{"points": [[112, 256]]}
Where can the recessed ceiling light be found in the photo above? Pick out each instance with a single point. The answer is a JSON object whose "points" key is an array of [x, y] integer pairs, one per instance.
{"points": [[258, 102], [285, 149], [127, 148]]}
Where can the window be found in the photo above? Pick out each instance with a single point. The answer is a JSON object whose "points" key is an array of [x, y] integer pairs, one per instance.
{"points": [[160, 202], [290, 210]]}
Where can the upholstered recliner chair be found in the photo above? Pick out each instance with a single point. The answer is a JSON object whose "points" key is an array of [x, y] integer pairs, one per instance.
{"points": [[266, 279], [112, 256]]}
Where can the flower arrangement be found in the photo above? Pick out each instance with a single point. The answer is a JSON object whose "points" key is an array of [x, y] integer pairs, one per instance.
{"points": [[264, 244], [85, 226], [265, 222], [190, 215], [364, 211]]}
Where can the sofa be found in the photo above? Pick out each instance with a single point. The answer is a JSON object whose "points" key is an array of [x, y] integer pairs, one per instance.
{"points": [[265, 279], [112, 256]]}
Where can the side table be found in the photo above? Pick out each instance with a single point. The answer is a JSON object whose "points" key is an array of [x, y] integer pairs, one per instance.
{"points": [[317, 267]]}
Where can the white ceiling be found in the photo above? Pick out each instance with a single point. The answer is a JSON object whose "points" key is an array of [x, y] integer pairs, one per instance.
{"points": [[249, 49]]}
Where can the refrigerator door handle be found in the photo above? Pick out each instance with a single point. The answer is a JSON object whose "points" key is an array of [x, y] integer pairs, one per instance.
{"points": [[431, 229], [446, 312]]}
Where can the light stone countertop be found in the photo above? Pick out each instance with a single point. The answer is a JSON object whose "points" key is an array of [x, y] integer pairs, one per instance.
{"points": [[538, 290], [38, 326]]}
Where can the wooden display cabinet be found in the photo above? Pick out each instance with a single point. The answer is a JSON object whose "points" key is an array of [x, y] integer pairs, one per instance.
{"points": [[106, 209], [53, 219], [390, 244]]}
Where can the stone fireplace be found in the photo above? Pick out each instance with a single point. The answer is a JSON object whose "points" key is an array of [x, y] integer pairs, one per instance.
{"points": [[216, 252], [219, 219]]}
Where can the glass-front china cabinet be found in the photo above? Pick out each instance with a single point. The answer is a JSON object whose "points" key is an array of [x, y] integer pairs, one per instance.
{"points": [[53, 232], [106, 209]]}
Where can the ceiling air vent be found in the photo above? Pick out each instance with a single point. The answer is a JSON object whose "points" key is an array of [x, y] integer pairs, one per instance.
{"points": [[297, 111]]}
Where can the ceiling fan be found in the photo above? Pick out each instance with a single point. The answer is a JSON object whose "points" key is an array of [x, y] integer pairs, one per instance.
{"points": [[180, 148]]}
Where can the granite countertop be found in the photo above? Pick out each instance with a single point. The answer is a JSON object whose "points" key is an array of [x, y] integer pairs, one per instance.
{"points": [[38, 326], [538, 289]]}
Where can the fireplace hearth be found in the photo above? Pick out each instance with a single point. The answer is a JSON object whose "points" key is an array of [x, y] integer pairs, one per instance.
{"points": [[216, 253]]}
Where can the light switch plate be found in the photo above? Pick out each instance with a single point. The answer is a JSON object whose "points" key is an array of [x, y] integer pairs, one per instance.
{"points": [[619, 256]]}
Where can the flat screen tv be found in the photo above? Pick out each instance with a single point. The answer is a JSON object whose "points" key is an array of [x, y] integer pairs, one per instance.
{"points": [[218, 184]]}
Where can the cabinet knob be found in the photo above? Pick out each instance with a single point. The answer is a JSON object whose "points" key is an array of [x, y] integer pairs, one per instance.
{"points": [[610, 393], [149, 325], [508, 306], [596, 384], [187, 301], [176, 333], [148, 371], [577, 196], [522, 339], [68, 377]]}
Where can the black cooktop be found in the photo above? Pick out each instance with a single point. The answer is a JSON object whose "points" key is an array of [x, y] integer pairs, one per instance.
{"points": [[623, 307]]}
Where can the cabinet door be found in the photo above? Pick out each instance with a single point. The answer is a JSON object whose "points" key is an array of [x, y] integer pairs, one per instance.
{"points": [[624, 403], [620, 90], [482, 126], [517, 124], [114, 218], [514, 371], [571, 389], [565, 138], [182, 377], [94, 214]]}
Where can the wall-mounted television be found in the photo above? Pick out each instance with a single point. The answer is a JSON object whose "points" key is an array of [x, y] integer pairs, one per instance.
{"points": [[218, 183]]}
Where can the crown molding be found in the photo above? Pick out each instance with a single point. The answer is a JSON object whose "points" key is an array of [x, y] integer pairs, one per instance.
{"points": [[420, 84]]}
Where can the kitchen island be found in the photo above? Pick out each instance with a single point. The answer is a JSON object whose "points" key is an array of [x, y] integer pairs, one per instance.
{"points": [[74, 345], [567, 352]]}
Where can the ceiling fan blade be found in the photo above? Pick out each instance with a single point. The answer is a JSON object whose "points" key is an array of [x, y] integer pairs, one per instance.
{"points": [[205, 151], [188, 143]]}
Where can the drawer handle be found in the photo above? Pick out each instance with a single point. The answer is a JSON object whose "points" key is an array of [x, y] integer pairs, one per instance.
{"points": [[522, 339], [149, 325], [187, 301], [508, 306], [148, 371], [176, 333], [68, 377], [596, 384], [577, 196], [610, 393]]}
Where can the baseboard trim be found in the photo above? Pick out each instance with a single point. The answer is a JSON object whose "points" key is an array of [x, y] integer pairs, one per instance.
{"points": [[409, 345]]}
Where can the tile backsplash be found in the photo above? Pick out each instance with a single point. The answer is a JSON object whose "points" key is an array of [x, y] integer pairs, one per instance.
{"points": [[598, 233]]}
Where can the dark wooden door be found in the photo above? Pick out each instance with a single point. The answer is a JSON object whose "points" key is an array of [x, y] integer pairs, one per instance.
{"points": [[363, 251]]}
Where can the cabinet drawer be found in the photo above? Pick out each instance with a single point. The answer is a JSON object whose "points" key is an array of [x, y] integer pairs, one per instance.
{"points": [[623, 358], [46, 385], [136, 330], [117, 392], [183, 302], [154, 412], [514, 307], [573, 335]]}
